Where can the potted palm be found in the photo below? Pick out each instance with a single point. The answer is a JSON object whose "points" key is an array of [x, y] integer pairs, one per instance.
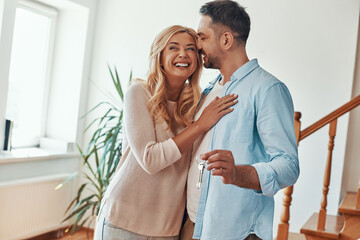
{"points": [[104, 150]]}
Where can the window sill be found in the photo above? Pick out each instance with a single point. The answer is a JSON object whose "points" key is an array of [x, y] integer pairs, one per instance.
{"points": [[33, 154], [49, 149]]}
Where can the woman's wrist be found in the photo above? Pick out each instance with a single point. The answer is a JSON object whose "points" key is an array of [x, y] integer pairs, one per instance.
{"points": [[198, 127]]}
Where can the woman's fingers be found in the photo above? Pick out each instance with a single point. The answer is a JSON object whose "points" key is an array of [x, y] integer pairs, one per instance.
{"points": [[225, 111], [217, 109], [227, 105], [225, 101]]}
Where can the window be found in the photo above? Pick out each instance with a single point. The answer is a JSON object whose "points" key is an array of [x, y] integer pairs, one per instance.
{"points": [[30, 68], [43, 71]]}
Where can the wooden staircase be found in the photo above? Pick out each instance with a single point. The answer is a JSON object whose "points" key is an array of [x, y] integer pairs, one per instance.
{"points": [[321, 226], [345, 226], [331, 231]]}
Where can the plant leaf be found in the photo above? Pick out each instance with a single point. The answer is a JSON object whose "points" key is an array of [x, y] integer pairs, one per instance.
{"points": [[101, 155], [66, 180]]}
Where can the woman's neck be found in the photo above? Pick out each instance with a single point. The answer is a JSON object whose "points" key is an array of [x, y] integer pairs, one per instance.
{"points": [[173, 96], [173, 92]]}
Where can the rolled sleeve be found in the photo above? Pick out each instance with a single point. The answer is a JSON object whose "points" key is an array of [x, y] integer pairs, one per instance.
{"points": [[269, 185], [276, 130]]}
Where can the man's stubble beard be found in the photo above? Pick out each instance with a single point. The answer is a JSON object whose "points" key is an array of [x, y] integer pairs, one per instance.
{"points": [[213, 62]]}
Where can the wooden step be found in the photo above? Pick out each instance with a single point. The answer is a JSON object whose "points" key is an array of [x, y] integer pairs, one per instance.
{"points": [[332, 230], [293, 236], [348, 205], [296, 236]]}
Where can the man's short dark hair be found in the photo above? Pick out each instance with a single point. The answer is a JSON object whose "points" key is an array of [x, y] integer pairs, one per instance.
{"points": [[229, 14]]}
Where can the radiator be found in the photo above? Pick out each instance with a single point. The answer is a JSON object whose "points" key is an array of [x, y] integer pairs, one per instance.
{"points": [[30, 207]]}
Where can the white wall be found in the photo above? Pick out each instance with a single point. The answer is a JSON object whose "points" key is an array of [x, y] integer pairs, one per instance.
{"points": [[309, 45], [67, 73]]}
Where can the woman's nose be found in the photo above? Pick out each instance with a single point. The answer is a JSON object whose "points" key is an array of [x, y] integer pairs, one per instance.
{"points": [[182, 53]]}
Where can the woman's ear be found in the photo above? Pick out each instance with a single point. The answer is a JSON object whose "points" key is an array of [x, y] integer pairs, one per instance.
{"points": [[161, 64]]}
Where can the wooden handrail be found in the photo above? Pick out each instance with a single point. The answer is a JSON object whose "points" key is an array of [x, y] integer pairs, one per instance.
{"points": [[330, 117]]}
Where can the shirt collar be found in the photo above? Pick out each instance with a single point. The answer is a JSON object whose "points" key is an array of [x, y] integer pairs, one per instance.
{"points": [[244, 70]]}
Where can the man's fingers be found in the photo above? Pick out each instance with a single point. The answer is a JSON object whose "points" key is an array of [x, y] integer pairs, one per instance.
{"points": [[223, 174], [205, 156], [217, 172], [216, 155], [218, 165]]}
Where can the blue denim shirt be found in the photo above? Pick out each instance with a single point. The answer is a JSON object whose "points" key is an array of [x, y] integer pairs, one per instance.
{"points": [[259, 132]]}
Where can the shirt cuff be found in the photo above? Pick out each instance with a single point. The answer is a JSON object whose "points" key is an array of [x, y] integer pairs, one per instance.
{"points": [[268, 183]]}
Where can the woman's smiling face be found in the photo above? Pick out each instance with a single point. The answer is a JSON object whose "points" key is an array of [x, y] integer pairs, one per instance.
{"points": [[179, 58]]}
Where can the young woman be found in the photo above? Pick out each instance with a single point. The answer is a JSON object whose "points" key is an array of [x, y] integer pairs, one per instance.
{"points": [[146, 197]]}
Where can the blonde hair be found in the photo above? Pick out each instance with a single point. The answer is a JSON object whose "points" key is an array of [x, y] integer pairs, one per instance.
{"points": [[156, 83]]}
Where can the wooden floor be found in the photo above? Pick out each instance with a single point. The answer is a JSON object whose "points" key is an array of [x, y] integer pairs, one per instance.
{"points": [[83, 234]]}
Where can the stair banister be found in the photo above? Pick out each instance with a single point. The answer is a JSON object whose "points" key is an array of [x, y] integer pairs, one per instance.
{"points": [[283, 227]]}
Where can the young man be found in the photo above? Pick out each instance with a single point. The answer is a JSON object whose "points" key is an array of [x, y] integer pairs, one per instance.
{"points": [[251, 153]]}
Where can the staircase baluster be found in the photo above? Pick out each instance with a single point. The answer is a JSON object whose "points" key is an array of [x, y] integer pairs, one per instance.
{"points": [[322, 213], [283, 228]]}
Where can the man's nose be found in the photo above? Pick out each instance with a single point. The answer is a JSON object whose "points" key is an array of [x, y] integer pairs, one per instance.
{"points": [[199, 45]]}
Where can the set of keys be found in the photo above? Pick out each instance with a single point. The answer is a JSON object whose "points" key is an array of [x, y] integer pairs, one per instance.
{"points": [[201, 168]]}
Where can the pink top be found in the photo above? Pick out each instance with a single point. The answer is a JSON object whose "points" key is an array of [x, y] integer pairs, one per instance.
{"points": [[147, 193]]}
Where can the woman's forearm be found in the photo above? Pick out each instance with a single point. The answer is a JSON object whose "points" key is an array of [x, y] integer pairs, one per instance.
{"points": [[187, 137]]}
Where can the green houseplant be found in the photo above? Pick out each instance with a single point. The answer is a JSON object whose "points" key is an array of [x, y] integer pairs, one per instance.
{"points": [[104, 149]]}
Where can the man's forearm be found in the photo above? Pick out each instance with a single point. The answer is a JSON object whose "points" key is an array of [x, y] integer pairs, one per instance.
{"points": [[247, 177]]}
